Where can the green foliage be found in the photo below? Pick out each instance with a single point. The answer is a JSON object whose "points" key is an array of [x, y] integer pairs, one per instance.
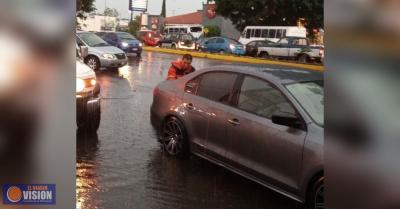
{"points": [[213, 30], [111, 12], [272, 12], [84, 6], [163, 9], [134, 26]]}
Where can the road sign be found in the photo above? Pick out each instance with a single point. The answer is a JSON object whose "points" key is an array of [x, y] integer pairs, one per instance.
{"points": [[138, 5]]}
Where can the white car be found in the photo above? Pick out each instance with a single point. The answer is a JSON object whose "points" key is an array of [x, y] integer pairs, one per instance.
{"points": [[87, 98]]}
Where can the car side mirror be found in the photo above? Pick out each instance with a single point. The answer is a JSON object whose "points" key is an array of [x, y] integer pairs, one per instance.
{"points": [[84, 51], [286, 120]]}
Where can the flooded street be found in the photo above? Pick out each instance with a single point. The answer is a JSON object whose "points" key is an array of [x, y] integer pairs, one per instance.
{"points": [[123, 166]]}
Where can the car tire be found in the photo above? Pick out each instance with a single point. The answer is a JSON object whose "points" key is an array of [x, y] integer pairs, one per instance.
{"points": [[139, 54], [173, 46], [303, 58], [265, 55], [316, 195], [174, 138], [93, 62], [221, 51], [91, 121]]}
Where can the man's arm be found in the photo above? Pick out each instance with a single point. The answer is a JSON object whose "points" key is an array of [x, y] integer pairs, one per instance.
{"points": [[171, 73]]}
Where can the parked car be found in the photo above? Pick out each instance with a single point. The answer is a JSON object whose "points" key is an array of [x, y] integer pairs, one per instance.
{"points": [[252, 47], [178, 41], [87, 95], [124, 41], [293, 48], [101, 54], [222, 45], [200, 41], [148, 37], [264, 124]]}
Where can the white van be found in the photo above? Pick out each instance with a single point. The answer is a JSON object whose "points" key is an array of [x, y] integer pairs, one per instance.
{"points": [[271, 33], [195, 30]]}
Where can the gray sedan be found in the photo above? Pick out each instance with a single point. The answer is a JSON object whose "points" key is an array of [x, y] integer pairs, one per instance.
{"points": [[264, 124], [101, 54]]}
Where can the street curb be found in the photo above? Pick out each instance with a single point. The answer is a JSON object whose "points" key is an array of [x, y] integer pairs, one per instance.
{"points": [[233, 58]]}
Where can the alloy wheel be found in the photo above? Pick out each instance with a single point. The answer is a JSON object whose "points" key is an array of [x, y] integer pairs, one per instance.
{"points": [[319, 197], [173, 137]]}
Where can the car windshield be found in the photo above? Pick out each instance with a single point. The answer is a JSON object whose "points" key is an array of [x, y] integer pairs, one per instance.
{"points": [[310, 95], [186, 38], [126, 36], [92, 40], [195, 29]]}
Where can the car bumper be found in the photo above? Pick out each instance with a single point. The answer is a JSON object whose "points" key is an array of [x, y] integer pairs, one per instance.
{"points": [[193, 47], [132, 51], [238, 52], [87, 101], [113, 63]]}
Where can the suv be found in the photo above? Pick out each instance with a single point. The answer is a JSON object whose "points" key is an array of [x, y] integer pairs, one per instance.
{"points": [[87, 94], [178, 41], [124, 41], [100, 53], [293, 48]]}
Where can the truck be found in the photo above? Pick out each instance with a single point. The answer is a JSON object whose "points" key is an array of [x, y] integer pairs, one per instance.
{"points": [[294, 48]]}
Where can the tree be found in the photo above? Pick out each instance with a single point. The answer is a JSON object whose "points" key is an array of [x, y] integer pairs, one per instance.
{"points": [[111, 12], [212, 30], [134, 26], [83, 7], [163, 9], [272, 12]]}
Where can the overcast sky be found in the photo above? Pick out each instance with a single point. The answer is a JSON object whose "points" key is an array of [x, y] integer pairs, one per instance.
{"points": [[174, 7]]}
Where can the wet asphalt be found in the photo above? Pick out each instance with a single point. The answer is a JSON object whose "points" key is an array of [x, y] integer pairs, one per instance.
{"points": [[123, 166]]}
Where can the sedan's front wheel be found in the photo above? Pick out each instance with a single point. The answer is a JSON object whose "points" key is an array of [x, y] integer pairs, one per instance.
{"points": [[174, 137], [316, 196]]}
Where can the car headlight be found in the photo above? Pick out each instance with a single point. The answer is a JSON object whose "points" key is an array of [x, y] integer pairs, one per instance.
{"points": [[231, 46], [140, 44], [124, 44], [80, 85], [109, 56]]}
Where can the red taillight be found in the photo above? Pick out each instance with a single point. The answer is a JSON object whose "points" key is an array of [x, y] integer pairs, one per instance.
{"points": [[321, 52], [155, 91]]}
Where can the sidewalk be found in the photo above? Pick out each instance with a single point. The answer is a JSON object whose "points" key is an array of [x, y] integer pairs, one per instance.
{"points": [[233, 58]]}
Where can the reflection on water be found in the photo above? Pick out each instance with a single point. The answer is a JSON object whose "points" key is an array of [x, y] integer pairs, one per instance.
{"points": [[86, 178]]}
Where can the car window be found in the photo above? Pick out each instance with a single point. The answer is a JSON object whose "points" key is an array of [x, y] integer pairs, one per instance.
{"points": [[195, 29], [210, 41], [283, 41], [220, 41], [259, 97], [257, 33], [271, 33], [217, 86], [253, 43], [264, 33], [92, 39], [299, 42], [125, 36], [192, 85], [248, 33], [186, 37]]}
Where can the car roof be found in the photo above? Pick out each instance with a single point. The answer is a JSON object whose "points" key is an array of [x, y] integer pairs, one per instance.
{"points": [[274, 75]]}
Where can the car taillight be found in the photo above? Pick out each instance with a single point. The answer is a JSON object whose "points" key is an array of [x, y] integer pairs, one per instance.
{"points": [[321, 52]]}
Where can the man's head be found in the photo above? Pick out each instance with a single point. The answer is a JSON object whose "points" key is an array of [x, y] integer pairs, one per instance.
{"points": [[187, 60]]}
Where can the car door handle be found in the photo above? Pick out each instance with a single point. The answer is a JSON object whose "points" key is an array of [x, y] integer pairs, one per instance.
{"points": [[190, 106], [234, 122]]}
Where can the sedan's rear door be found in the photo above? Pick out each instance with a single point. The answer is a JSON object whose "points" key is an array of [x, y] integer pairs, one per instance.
{"points": [[267, 151]]}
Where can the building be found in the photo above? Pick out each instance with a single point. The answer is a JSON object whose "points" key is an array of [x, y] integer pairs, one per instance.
{"points": [[206, 17], [98, 22]]}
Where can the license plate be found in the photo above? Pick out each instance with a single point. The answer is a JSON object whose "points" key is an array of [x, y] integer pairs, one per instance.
{"points": [[134, 49]]}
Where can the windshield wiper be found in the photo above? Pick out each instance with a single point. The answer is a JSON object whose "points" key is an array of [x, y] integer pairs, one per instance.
{"points": [[101, 44]]}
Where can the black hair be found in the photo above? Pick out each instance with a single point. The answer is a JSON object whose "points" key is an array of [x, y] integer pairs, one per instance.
{"points": [[187, 57]]}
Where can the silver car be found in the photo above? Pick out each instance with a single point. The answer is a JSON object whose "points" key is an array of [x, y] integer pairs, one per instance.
{"points": [[101, 54], [264, 124]]}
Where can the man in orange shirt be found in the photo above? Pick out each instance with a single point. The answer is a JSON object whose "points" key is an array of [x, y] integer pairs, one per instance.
{"points": [[181, 67]]}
